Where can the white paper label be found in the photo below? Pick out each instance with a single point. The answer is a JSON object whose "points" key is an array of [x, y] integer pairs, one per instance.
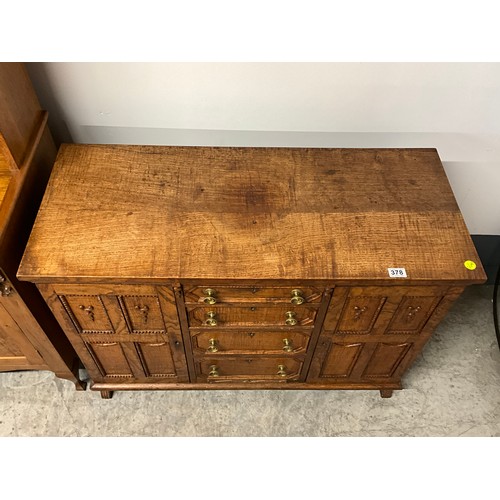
{"points": [[397, 272]]}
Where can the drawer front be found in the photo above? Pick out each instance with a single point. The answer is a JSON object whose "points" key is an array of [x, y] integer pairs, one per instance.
{"points": [[254, 342], [247, 368], [258, 315], [209, 295]]}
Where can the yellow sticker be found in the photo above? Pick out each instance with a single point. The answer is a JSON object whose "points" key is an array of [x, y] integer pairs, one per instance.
{"points": [[469, 264]]}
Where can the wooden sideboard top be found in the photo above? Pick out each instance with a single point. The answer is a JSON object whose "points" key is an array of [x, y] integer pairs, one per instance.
{"points": [[137, 213]]}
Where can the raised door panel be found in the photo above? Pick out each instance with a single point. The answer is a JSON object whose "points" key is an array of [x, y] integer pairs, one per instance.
{"points": [[412, 314], [111, 360], [156, 360], [386, 360], [89, 313], [360, 314], [142, 313], [340, 360]]}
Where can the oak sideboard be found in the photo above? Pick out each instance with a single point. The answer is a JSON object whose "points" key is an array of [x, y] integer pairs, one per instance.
{"points": [[248, 268]]}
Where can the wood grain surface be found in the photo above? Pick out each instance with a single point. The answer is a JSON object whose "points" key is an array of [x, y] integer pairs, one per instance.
{"points": [[135, 213]]}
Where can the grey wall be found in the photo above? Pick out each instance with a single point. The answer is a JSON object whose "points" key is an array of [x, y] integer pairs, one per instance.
{"points": [[454, 107]]}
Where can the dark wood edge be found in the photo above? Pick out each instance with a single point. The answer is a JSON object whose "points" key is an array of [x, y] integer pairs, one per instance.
{"points": [[5, 152], [318, 325], [35, 139], [186, 338], [110, 280]]}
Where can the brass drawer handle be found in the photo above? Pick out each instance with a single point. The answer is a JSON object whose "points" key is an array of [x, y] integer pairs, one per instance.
{"points": [[210, 298], [212, 345], [290, 320], [214, 371], [210, 321], [281, 370], [287, 345], [297, 297]]}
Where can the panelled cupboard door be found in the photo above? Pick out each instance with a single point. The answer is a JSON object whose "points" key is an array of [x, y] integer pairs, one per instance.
{"points": [[125, 332], [374, 333]]}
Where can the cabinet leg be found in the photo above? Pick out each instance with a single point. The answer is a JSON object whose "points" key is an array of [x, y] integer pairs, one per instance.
{"points": [[386, 393], [80, 385], [106, 394], [74, 377]]}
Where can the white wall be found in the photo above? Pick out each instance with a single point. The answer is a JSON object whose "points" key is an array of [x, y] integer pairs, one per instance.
{"points": [[454, 107]]}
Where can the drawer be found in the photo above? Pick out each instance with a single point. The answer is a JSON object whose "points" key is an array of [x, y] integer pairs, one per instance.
{"points": [[295, 295], [256, 315], [254, 342], [247, 368]]}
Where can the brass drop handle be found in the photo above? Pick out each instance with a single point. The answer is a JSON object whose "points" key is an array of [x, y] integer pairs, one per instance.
{"points": [[211, 321], [212, 345], [287, 345], [281, 370], [214, 371], [210, 298], [297, 297], [290, 318]]}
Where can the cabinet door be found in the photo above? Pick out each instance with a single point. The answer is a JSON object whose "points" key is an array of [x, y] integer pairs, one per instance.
{"points": [[374, 333], [16, 352], [122, 332]]}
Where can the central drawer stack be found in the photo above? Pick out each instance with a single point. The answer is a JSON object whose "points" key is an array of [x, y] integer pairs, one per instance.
{"points": [[250, 333]]}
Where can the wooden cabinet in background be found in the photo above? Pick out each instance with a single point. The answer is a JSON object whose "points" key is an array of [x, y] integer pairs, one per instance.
{"points": [[30, 337], [241, 268]]}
